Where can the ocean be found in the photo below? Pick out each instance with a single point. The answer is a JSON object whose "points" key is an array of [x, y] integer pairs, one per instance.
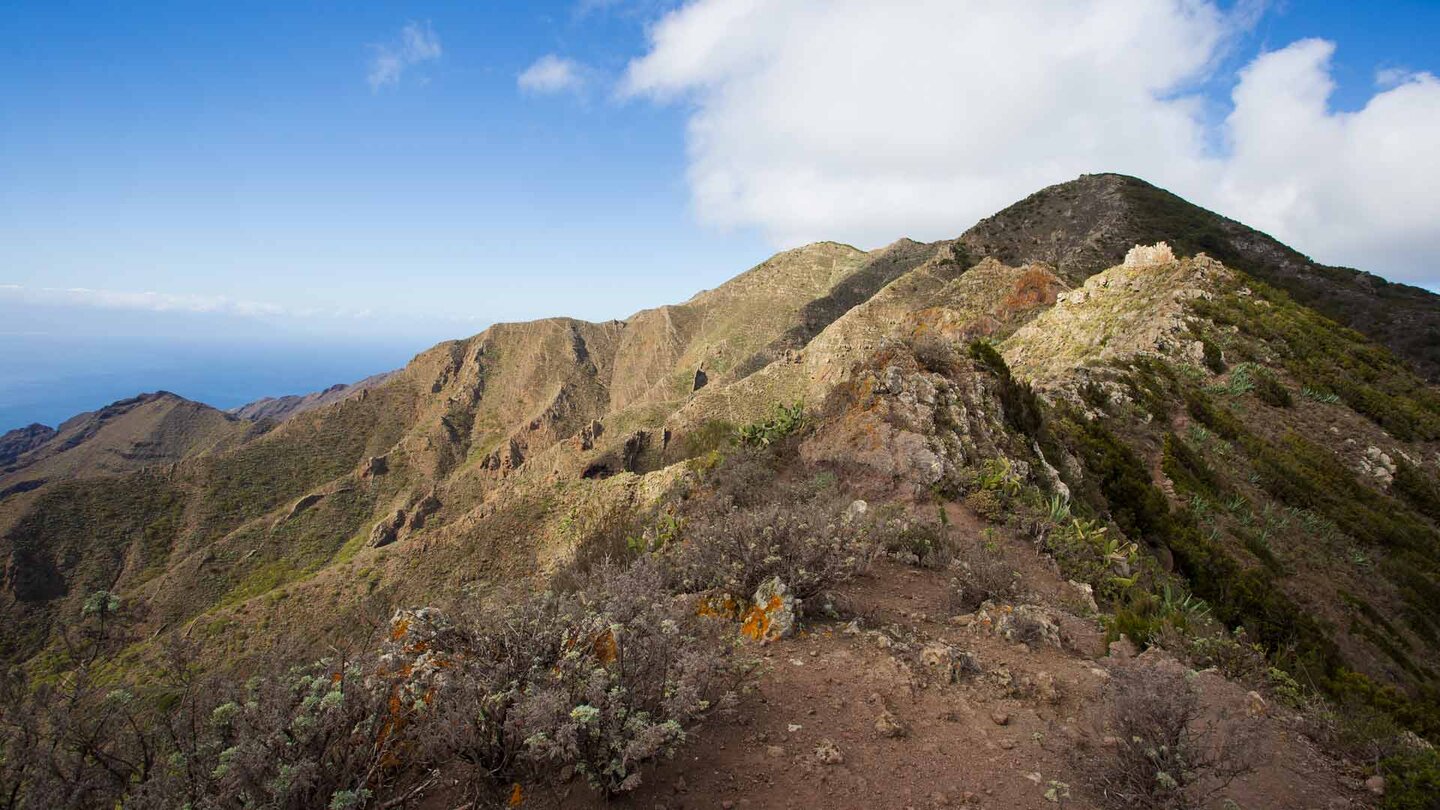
{"points": [[47, 379]]}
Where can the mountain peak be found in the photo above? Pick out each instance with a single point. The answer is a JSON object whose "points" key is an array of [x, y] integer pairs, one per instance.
{"points": [[1088, 224]]}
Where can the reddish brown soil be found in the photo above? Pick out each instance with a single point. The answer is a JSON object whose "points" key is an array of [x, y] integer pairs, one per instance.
{"points": [[998, 739], [829, 685]]}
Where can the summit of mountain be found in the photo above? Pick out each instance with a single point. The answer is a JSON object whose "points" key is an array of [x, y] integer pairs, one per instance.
{"points": [[1085, 225]]}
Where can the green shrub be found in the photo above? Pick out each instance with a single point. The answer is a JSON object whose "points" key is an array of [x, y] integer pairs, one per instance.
{"points": [[1022, 409], [784, 421], [1269, 390], [712, 436], [1412, 780], [1417, 488], [1187, 469], [1214, 359]]}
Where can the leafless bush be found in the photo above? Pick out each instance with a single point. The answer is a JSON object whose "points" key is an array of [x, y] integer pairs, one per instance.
{"points": [[917, 542], [807, 544], [978, 575], [1161, 754], [936, 353]]}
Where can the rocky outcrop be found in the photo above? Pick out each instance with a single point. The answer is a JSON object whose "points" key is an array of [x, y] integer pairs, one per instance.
{"points": [[387, 531], [1086, 225], [22, 440]]}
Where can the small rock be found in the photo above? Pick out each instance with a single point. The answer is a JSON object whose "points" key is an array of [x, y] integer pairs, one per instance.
{"points": [[1122, 648], [1000, 718], [681, 786], [856, 509], [1084, 596], [727, 805], [828, 753], [774, 752], [963, 620], [1045, 689], [1007, 744], [889, 726], [1376, 785], [772, 616], [1255, 705]]}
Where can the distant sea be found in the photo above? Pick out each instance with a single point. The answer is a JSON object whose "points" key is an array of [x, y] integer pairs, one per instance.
{"points": [[47, 379]]}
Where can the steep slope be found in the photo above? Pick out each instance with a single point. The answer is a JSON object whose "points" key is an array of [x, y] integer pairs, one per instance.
{"points": [[1169, 450], [494, 457], [1300, 459], [1086, 225], [427, 452], [941, 297]]}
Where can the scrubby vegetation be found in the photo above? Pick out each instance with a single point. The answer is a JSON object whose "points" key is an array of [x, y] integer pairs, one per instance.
{"points": [[598, 675], [1164, 757]]}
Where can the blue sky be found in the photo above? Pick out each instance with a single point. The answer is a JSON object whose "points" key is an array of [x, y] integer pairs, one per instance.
{"points": [[234, 171], [237, 150]]}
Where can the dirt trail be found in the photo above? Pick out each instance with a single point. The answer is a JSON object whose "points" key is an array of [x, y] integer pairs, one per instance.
{"points": [[848, 714]]}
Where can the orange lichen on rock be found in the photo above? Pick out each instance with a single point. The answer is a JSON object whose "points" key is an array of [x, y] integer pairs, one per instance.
{"points": [[399, 628], [756, 624], [606, 648], [717, 607]]}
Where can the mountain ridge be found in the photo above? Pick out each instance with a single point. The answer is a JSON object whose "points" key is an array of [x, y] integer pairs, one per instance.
{"points": [[1210, 431]]}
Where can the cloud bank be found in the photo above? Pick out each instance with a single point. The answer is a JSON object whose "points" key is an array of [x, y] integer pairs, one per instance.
{"points": [[863, 121], [551, 74], [418, 43], [149, 301]]}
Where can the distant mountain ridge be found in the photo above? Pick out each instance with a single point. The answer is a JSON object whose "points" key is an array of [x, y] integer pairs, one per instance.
{"points": [[284, 407]]}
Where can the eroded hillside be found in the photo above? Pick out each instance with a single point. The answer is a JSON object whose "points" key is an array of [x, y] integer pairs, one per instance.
{"points": [[1237, 481]]}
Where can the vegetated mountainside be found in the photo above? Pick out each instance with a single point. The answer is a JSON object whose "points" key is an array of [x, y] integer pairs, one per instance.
{"points": [[123, 437], [1086, 225], [278, 409], [1237, 481]]}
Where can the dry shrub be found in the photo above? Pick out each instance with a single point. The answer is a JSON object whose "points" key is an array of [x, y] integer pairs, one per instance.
{"points": [[807, 544], [1162, 755], [601, 680], [980, 575], [927, 545], [596, 681], [936, 353]]}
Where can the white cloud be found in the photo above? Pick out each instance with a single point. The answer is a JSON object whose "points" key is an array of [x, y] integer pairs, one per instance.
{"points": [[418, 43], [551, 74], [152, 302], [864, 121]]}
